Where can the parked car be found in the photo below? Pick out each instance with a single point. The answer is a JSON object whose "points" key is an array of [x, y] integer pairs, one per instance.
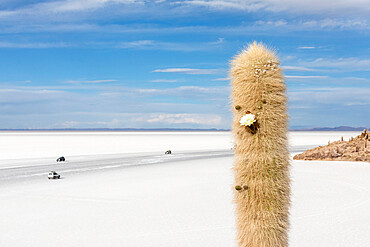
{"points": [[168, 152], [61, 158], [53, 175]]}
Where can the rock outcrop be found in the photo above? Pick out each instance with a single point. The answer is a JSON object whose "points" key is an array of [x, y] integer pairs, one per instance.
{"points": [[356, 149]]}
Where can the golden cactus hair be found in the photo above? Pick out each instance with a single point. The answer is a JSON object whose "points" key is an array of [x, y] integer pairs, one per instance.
{"points": [[261, 164]]}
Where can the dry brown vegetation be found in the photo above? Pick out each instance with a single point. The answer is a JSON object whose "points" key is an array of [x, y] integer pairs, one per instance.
{"points": [[355, 149], [262, 188]]}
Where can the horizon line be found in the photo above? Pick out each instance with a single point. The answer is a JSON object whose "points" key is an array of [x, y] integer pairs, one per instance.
{"points": [[338, 128]]}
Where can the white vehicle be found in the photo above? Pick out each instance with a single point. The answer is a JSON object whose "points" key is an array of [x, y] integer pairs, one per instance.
{"points": [[53, 175]]}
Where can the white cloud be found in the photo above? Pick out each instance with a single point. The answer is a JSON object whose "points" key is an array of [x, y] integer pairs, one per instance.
{"points": [[246, 5], [142, 120], [328, 106], [276, 23], [337, 95], [83, 5], [359, 79], [114, 123], [306, 47], [163, 80], [327, 7], [65, 6], [323, 106], [218, 94], [188, 71], [88, 82], [170, 46], [136, 44], [344, 64], [36, 45], [185, 91], [305, 77], [17, 82], [337, 23], [296, 68], [358, 103], [219, 41], [327, 81], [182, 118], [111, 94], [16, 96], [307, 7], [69, 124], [262, 26], [308, 23], [222, 79], [81, 15], [62, 27]]}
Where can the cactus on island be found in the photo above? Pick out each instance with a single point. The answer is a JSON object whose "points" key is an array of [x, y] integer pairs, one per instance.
{"points": [[261, 164]]}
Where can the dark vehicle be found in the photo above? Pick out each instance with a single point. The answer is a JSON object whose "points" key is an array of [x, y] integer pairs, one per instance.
{"points": [[60, 159], [168, 152], [53, 175]]}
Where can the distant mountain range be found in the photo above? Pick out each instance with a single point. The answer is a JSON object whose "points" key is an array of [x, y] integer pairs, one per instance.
{"points": [[340, 128]]}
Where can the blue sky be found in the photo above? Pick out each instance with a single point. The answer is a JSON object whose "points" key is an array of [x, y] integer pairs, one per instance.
{"points": [[164, 64]]}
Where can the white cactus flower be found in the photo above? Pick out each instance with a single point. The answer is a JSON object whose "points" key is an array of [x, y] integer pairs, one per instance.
{"points": [[248, 119]]}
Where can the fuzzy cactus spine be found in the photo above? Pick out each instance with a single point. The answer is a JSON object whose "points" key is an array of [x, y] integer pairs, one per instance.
{"points": [[261, 161]]}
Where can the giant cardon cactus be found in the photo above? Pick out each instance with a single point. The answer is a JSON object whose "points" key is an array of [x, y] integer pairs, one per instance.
{"points": [[261, 164]]}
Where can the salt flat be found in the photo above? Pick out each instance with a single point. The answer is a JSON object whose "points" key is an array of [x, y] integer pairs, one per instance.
{"points": [[47, 145], [51, 144], [180, 202]]}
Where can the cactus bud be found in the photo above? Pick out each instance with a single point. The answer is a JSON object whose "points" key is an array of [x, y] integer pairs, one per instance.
{"points": [[238, 187]]}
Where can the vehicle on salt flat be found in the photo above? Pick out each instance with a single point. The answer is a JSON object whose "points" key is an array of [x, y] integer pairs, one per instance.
{"points": [[61, 158], [53, 175]]}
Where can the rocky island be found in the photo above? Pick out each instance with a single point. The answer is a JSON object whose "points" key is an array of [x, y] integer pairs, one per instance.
{"points": [[355, 149]]}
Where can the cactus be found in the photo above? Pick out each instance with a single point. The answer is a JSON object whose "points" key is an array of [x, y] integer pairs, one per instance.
{"points": [[261, 163]]}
